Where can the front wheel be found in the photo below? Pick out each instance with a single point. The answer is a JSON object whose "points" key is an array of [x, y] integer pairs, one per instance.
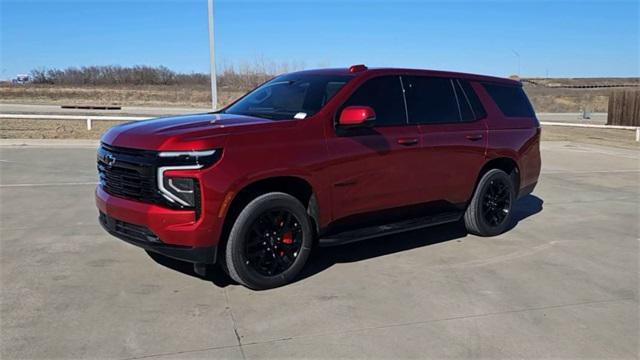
{"points": [[489, 212], [269, 242]]}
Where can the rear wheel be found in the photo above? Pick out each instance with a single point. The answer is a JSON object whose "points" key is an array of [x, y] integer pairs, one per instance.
{"points": [[269, 242], [489, 212]]}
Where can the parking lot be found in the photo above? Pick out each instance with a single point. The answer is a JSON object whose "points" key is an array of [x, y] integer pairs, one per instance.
{"points": [[562, 283]]}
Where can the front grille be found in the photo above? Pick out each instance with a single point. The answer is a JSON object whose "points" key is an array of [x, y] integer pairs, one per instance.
{"points": [[127, 183], [128, 231], [132, 174], [128, 173]]}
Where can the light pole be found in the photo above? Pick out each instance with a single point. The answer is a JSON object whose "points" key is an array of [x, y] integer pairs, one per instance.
{"points": [[212, 60], [518, 56]]}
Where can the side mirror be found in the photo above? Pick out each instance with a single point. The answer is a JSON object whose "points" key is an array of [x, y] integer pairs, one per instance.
{"points": [[356, 115]]}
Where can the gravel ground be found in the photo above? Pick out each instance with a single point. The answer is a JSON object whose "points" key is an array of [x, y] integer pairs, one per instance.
{"points": [[608, 137]]}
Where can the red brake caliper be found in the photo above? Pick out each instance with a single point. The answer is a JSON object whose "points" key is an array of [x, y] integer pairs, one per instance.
{"points": [[287, 238]]}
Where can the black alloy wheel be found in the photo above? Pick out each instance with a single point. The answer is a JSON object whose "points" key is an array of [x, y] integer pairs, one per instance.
{"points": [[274, 242], [269, 242], [489, 211], [496, 202]]}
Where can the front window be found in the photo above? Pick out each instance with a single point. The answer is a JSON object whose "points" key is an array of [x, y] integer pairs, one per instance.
{"points": [[291, 96], [384, 95]]}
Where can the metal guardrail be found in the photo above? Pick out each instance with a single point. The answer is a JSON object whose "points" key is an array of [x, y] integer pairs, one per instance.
{"points": [[90, 119]]}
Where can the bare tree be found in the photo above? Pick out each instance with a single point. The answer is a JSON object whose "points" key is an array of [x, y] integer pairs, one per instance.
{"points": [[242, 76]]}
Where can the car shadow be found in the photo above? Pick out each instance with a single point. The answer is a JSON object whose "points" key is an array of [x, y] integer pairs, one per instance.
{"points": [[214, 273], [323, 258]]}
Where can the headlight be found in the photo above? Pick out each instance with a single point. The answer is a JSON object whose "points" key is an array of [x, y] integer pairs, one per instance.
{"points": [[183, 190], [204, 157]]}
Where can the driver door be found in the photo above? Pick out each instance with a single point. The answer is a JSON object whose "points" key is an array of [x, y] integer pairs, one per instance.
{"points": [[373, 168]]}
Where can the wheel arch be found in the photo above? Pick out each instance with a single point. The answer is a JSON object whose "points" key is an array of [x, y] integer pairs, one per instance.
{"points": [[296, 186], [504, 163]]}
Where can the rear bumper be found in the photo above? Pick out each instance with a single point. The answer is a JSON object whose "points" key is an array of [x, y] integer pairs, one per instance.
{"points": [[174, 233]]}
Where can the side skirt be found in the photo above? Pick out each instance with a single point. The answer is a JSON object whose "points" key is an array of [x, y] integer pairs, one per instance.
{"points": [[351, 236]]}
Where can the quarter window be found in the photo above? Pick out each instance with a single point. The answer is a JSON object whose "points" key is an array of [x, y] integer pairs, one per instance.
{"points": [[384, 95], [511, 100]]}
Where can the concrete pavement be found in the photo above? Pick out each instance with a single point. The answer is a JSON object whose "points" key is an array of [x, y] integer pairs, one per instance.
{"points": [[562, 283]]}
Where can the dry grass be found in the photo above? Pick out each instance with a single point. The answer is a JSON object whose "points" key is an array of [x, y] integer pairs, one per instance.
{"points": [[547, 95], [52, 129], [544, 99], [146, 95], [568, 100]]}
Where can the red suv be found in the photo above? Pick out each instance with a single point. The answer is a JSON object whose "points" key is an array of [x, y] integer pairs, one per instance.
{"points": [[319, 157]]}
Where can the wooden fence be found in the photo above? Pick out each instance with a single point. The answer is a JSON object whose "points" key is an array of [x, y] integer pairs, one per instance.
{"points": [[624, 108]]}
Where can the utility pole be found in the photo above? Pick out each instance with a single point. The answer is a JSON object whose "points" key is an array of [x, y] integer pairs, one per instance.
{"points": [[212, 60]]}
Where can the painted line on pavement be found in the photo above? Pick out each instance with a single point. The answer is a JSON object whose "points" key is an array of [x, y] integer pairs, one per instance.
{"points": [[48, 184]]}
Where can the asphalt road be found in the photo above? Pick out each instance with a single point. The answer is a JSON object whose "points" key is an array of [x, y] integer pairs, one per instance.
{"points": [[562, 284], [142, 111]]}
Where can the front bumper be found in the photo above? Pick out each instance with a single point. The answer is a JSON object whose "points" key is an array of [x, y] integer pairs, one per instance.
{"points": [[170, 232], [526, 190], [142, 237]]}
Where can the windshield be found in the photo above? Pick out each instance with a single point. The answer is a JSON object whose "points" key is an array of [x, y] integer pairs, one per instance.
{"points": [[289, 96]]}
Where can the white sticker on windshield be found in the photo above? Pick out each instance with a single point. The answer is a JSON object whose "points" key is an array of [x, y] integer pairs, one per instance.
{"points": [[300, 115]]}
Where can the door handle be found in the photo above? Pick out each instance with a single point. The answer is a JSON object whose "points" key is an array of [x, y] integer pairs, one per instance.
{"points": [[408, 142], [474, 137]]}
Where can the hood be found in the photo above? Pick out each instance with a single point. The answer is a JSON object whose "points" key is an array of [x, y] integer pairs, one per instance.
{"points": [[188, 132]]}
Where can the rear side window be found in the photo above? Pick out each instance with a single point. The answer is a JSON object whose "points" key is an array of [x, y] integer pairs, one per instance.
{"points": [[511, 100], [384, 95], [430, 100]]}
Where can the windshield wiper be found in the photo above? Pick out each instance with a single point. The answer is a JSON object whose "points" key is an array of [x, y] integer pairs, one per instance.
{"points": [[269, 116]]}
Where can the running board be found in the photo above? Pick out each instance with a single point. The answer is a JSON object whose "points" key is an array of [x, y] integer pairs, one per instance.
{"points": [[388, 229]]}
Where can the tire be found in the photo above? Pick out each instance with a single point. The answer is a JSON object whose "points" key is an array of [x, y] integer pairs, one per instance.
{"points": [[484, 215], [249, 255]]}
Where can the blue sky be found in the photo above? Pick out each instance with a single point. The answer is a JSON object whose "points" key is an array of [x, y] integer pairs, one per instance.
{"points": [[561, 38]]}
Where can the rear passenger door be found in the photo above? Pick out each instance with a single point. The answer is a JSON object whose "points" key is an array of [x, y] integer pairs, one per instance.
{"points": [[373, 168], [453, 132]]}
